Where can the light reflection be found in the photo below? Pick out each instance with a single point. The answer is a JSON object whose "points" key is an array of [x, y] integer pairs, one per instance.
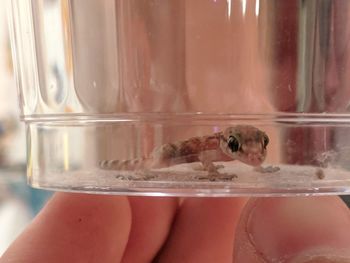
{"points": [[244, 6], [65, 151], [257, 7], [229, 8]]}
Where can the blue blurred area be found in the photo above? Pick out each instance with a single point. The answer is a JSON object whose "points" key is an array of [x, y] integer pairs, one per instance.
{"points": [[19, 203], [34, 199]]}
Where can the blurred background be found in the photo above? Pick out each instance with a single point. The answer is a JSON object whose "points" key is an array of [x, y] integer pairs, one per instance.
{"points": [[18, 202]]}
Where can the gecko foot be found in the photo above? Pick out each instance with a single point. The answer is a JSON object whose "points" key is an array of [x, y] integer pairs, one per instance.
{"points": [[213, 173], [268, 169], [214, 168], [121, 177]]}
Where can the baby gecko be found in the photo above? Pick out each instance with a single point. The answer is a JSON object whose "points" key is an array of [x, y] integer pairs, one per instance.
{"points": [[244, 143]]}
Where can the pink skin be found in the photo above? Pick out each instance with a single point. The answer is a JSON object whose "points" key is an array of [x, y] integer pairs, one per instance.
{"points": [[95, 228]]}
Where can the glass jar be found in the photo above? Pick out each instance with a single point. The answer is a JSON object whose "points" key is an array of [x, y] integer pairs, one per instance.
{"points": [[185, 97]]}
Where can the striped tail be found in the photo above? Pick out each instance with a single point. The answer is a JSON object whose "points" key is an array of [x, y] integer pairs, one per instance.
{"points": [[133, 164]]}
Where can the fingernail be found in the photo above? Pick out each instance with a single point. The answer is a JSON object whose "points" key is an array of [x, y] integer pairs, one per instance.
{"points": [[302, 229]]}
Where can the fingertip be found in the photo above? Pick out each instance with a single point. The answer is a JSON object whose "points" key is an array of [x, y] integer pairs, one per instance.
{"points": [[75, 228], [203, 231], [152, 219], [293, 230]]}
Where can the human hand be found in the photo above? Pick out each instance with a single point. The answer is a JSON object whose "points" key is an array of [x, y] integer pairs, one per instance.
{"points": [[94, 228]]}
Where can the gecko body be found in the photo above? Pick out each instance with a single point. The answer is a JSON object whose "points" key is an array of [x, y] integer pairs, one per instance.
{"points": [[244, 143]]}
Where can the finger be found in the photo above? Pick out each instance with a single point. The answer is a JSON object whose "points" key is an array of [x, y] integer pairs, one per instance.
{"points": [[75, 228], [203, 231], [152, 218], [309, 229]]}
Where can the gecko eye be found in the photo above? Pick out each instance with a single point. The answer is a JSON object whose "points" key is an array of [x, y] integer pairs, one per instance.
{"points": [[233, 144], [265, 140]]}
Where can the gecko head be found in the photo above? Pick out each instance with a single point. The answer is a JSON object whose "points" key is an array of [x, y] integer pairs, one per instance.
{"points": [[245, 143]]}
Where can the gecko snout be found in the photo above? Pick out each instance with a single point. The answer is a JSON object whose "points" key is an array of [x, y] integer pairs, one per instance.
{"points": [[255, 150], [255, 159]]}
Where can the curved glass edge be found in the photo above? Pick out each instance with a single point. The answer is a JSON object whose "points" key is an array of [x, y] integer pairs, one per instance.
{"points": [[185, 192]]}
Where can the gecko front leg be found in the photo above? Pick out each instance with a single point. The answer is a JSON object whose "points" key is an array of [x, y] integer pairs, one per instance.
{"points": [[207, 158]]}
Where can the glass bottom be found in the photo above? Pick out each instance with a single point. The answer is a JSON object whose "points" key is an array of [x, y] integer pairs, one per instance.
{"points": [[306, 155], [182, 181]]}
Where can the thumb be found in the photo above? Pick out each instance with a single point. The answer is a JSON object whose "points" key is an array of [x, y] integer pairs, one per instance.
{"points": [[299, 229]]}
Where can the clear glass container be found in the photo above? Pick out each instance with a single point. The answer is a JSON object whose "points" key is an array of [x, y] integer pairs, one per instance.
{"points": [[185, 97]]}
